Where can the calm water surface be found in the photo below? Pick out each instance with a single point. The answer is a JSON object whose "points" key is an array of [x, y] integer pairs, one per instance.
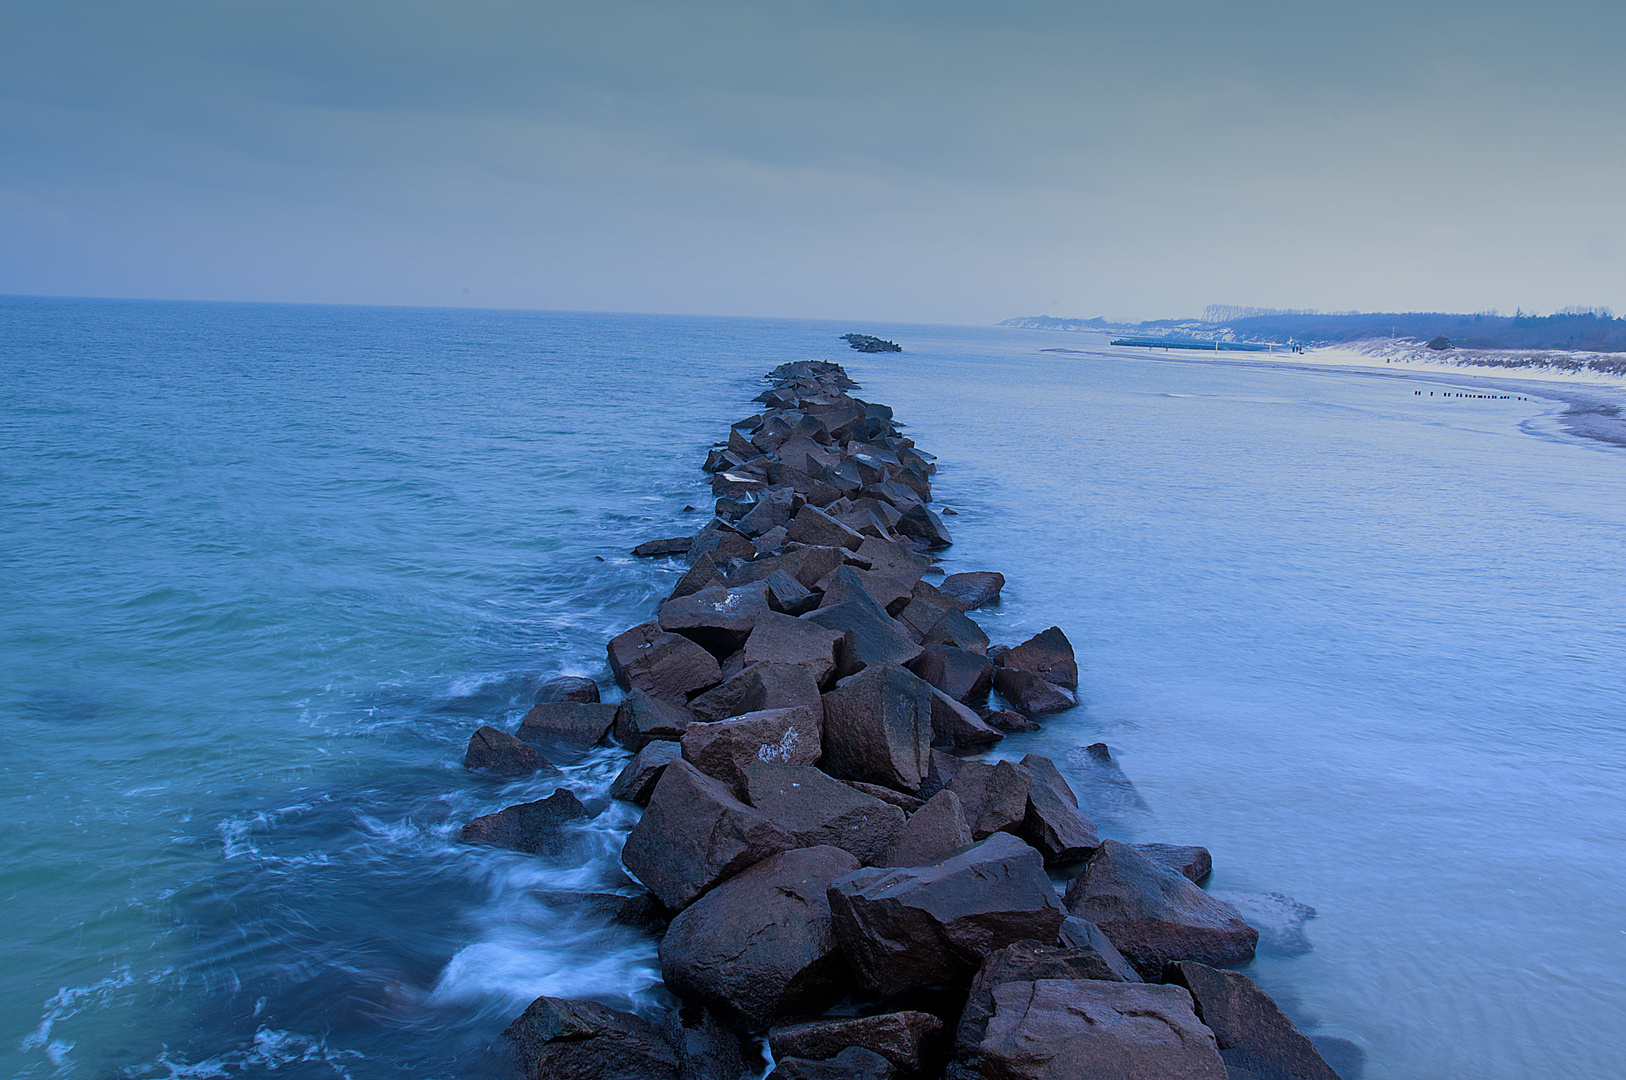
{"points": [[265, 567]]}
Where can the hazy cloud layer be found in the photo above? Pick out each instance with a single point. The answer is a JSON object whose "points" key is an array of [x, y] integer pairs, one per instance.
{"points": [[945, 161]]}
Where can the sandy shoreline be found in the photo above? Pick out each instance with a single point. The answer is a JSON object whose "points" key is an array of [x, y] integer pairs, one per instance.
{"points": [[1595, 401]]}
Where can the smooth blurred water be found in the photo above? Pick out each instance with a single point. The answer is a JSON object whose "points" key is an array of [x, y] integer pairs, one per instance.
{"points": [[264, 568]]}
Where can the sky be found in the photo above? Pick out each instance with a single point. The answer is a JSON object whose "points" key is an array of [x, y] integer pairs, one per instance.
{"points": [[958, 162]]}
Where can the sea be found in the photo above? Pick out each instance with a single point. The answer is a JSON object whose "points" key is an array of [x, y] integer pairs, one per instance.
{"points": [[264, 568]]}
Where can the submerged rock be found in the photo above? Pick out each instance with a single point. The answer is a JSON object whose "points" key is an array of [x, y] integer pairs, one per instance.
{"points": [[536, 828], [497, 753], [568, 688], [973, 590], [1048, 654]]}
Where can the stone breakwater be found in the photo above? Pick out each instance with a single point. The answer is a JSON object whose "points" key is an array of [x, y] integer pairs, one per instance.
{"points": [[828, 865]]}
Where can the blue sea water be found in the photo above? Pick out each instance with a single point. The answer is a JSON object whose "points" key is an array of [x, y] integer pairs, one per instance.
{"points": [[265, 567]]}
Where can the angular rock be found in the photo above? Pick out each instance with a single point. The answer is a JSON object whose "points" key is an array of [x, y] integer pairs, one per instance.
{"points": [[636, 783], [907, 803], [784, 639], [661, 664], [1255, 1037], [760, 945], [1154, 915], [771, 511], [813, 526], [959, 673], [1047, 654], [973, 590], [1079, 933], [718, 619], [706, 1048], [1190, 862], [1053, 824], [1009, 721], [815, 810], [640, 718], [922, 524], [534, 827], [935, 831], [869, 636], [853, 1063], [806, 564], [787, 595], [956, 628], [574, 724], [891, 559], [925, 610], [1086, 1029], [704, 574], [995, 796], [759, 687], [903, 1038], [562, 1039], [846, 583], [878, 728], [1029, 693], [770, 543], [941, 770], [694, 834], [497, 753], [568, 688], [722, 749], [677, 545], [955, 727], [925, 925]]}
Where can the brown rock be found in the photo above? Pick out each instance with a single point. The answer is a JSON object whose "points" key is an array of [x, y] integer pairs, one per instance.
{"points": [[907, 803], [853, 1063], [973, 590], [573, 724], [704, 574], [1029, 693], [722, 749], [959, 673], [957, 728], [995, 796], [783, 639], [938, 829], [903, 1038], [568, 688], [878, 728], [718, 619], [813, 526], [676, 545], [1190, 862], [1054, 825], [956, 628], [846, 583], [1255, 1038], [534, 827], [869, 636], [759, 687], [661, 664], [498, 753], [562, 1039], [1048, 655], [640, 718], [815, 810], [636, 783]]}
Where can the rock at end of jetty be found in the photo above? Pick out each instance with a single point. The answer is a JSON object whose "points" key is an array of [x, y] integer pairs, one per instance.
{"points": [[1031, 694], [921, 524], [1054, 824], [761, 945], [959, 673], [564, 1039], [1188, 860], [497, 753], [1154, 915], [1255, 1037], [536, 828]]}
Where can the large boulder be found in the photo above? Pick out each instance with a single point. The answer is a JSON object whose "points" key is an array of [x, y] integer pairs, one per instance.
{"points": [[568, 688], [724, 748], [772, 511], [920, 523], [759, 687], [694, 834], [640, 718], [1256, 1039], [1154, 915], [537, 828], [704, 574], [1047, 654], [919, 926], [957, 728], [938, 829], [1087, 1029], [573, 725], [636, 783], [562, 1039], [869, 635], [783, 639], [904, 1038], [1188, 860], [1053, 823], [878, 728], [853, 1063], [847, 583], [813, 526], [973, 590], [927, 606], [497, 753], [957, 629], [761, 946], [994, 795], [959, 673], [661, 664], [1029, 693], [718, 619], [816, 809], [806, 564], [891, 559], [787, 595], [707, 1049]]}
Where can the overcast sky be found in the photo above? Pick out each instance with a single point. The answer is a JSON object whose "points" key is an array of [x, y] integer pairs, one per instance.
{"points": [[934, 162]]}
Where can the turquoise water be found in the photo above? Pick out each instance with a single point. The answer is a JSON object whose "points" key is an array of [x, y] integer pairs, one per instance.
{"points": [[265, 567]]}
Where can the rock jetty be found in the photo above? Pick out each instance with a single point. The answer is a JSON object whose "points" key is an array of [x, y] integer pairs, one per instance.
{"points": [[866, 343], [831, 871]]}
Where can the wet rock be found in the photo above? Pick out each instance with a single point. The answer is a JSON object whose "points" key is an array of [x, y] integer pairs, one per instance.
{"points": [[1029, 693], [959, 673], [637, 781], [1192, 863], [534, 827], [995, 796], [890, 559], [661, 664], [813, 526], [1054, 824], [957, 728], [925, 925], [706, 1048], [878, 728], [938, 829], [740, 482], [925, 610], [772, 511], [1079, 933], [853, 1063], [923, 525], [1009, 721], [694, 834], [903, 1038], [761, 945], [907, 803], [573, 724], [497, 753], [640, 718], [1254, 1037], [568, 688], [956, 628], [1047, 654], [677, 545], [718, 619], [1086, 1029], [784, 639], [564, 1039], [869, 636], [723, 749], [721, 541], [846, 583], [815, 810], [1279, 919], [804, 483], [973, 590], [704, 574], [759, 687], [787, 595], [1154, 915]]}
